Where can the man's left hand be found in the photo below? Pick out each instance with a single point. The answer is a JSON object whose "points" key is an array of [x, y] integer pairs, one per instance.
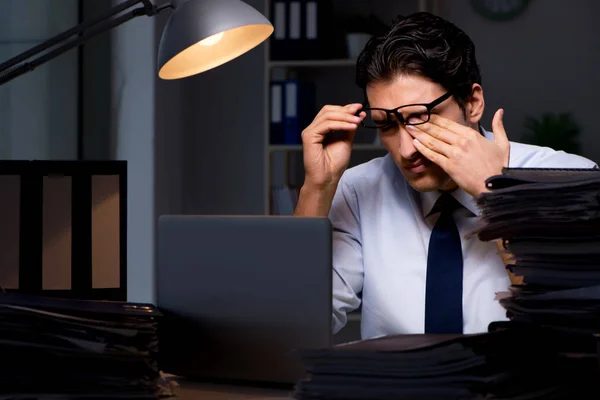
{"points": [[466, 155]]}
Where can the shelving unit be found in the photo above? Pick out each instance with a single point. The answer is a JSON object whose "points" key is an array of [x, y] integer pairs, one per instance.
{"points": [[333, 77], [330, 75], [335, 74], [285, 160]]}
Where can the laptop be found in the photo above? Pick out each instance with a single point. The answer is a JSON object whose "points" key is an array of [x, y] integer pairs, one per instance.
{"points": [[240, 294]]}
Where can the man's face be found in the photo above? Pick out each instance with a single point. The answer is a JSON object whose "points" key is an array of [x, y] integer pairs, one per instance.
{"points": [[420, 173]]}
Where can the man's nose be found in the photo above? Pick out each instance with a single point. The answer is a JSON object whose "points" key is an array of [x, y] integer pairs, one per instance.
{"points": [[407, 148]]}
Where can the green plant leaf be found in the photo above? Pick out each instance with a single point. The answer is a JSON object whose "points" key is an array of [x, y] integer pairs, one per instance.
{"points": [[559, 131]]}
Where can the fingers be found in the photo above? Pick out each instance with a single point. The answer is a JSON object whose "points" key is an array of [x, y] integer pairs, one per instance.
{"points": [[337, 116], [434, 131], [335, 125], [351, 108], [316, 133], [333, 118], [428, 139], [500, 137], [431, 155], [449, 125]]}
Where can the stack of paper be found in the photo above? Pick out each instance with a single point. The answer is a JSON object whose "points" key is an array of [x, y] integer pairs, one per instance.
{"points": [[541, 207], [549, 221], [69, 349], [505, 364]]}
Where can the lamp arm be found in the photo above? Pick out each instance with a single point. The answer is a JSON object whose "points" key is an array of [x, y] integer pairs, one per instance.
{"points": [[66, 34], [10, 70]]}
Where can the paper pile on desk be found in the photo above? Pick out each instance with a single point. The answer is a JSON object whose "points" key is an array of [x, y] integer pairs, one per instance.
{"points": [[68, 349], [506, 364], [549, 221]]}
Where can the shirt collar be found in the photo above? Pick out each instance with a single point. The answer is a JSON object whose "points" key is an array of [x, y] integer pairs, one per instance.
{"points": [[486, 134], [428, 200]]}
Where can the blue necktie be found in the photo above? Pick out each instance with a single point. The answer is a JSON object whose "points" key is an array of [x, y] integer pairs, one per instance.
{"points": [[443, 297]]}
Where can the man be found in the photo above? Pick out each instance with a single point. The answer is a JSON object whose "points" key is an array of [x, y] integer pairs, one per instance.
{"points": [[404, 256]]}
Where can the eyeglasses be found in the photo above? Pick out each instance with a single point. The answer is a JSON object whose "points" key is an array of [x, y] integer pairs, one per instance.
{"points": [[410, 114]]}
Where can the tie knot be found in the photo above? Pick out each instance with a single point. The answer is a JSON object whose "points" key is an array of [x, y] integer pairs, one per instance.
{"points": [[445, 204]]}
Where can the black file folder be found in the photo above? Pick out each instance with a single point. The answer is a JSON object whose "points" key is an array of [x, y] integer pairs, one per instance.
{"points": [[516, 176], [553, 203], [549, 222], [304, 30], [75, 349], [505, 364]]}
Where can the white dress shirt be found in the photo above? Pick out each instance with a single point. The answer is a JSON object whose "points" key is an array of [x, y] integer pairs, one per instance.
{"points": [[380, 242]]}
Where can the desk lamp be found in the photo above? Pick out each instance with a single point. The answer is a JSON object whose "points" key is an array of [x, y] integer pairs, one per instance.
{"points": [[199, 35]]}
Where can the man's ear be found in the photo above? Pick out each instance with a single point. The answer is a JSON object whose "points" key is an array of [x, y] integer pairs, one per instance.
{"points": [[475, 105]]}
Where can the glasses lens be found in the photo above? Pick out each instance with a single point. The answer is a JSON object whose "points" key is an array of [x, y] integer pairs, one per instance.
{"points": [[376, 119], [411, 115], [414, 115]]}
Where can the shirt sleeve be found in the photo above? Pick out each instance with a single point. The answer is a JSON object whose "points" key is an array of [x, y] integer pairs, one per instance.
{"points": [[527, 156], [347, 254]]}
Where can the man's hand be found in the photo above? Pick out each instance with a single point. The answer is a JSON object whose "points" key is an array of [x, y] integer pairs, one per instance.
{"points": [[325, 160], [467, 156], [326, 157]]}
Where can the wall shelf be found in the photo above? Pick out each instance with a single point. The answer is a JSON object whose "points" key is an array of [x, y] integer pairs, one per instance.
{"points": [[335, 84]]}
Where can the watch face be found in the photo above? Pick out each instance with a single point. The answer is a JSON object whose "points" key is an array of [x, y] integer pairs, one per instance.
{"points": [[500, 10]]}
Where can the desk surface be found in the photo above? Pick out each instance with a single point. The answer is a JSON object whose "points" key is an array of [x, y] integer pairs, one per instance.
{"points": [[194, 391]]}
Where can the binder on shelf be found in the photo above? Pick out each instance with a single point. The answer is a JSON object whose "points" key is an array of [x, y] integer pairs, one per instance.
{"points": [[300, 109], [285, 199], [303, 30], [279, 18], [277, 104], [292, 108]]}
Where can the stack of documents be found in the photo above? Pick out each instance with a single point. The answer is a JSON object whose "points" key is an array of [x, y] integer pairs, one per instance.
{"points": [[549, 221], [69, 349], [504, 364], [541, 207]]}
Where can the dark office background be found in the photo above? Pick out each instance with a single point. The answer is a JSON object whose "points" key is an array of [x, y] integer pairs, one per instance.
{"points": [[198, 145]]}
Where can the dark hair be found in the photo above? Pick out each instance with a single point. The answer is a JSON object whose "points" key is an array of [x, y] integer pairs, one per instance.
{"points": [[425, 45]]}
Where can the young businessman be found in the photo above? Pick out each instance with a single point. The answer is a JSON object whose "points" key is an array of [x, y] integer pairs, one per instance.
{"points": [[396, 248]]}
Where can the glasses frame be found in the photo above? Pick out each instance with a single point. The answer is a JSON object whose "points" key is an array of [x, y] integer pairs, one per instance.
{"points": [[399, 117]]}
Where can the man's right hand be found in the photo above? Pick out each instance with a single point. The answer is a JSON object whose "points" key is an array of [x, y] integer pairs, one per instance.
{"points": [[326, 158]]}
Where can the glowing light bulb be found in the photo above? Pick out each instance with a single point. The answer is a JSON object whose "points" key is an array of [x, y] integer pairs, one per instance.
{"points": [[212, 40]]}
